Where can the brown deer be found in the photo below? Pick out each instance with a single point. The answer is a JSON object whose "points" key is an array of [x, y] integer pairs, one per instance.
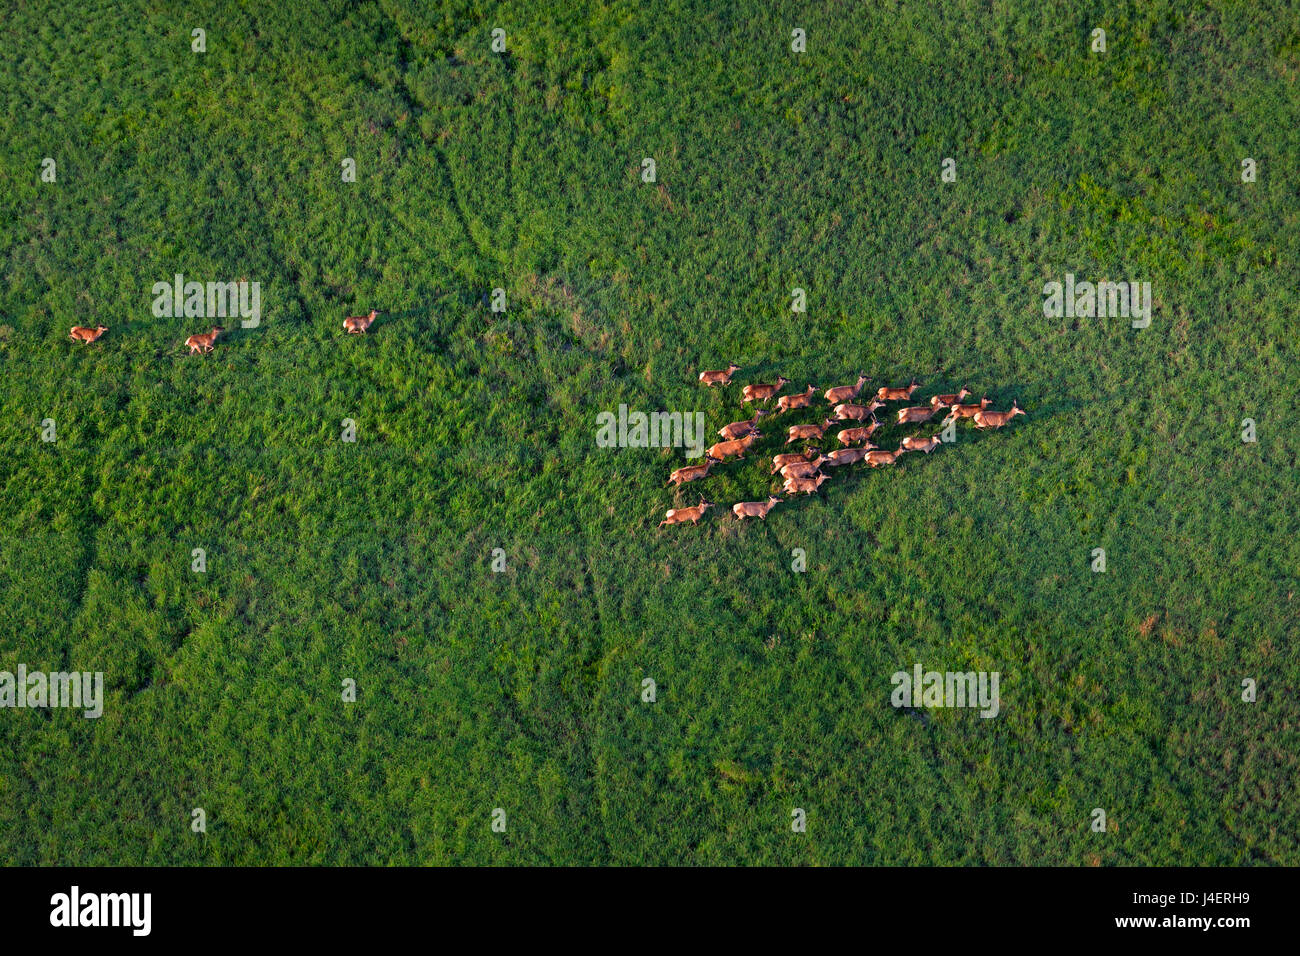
{"points": [[943, 401], [881, 457], [803, 469], [858, 413], [897, 394], [849, 456], [797, 432], [787, 402], [737, 447], [967, 411], [917, 413], [755, 509], [81, 334], [851, 436], [805, 486], [763, 393], [987, 419], [204, 341], [916, 443], [741, 429], [681, 515], [692, 472], [780, 461], [844, 393], [359, 323], [720, 376]]}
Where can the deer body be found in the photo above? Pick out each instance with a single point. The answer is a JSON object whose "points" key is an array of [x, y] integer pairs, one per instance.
{"points": [[927, 445], [691, 472], [780, 461], [897, 394], [943, 401], [755, 509], [987, 419], [204, 341], [803, 469], [763, 393], [848, 456], [881, 457], [787, 402], [844, 393], [804, 486], [797, 432], [917, 413], [720, 376], [851, 436], [681, 515], [82, 334], [741, 429], [737, 447], [858, 413], [968, 411], [359, 323]]}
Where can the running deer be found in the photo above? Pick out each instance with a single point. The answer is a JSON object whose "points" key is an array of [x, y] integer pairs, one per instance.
{"points": [[849, 456], [82, 334], [917, 413], [755, 509], [720, 376], [692, 472], [787, 402], [737, 447], [204, 342], [805, 486], [803, 469], [741, 429], [897, 394], [763, 393], [682, 515], [881, 457], [943, 401], [844, 393], [859, 413], [797, 432], [359, 323], [780, 461], [927, 445], [987, 419], [851, 436], [967, 411]]}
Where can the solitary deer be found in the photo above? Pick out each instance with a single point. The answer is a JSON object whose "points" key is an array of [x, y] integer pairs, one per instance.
{"points": [[804, 486], [844, 393], [808, 431], [851, 436], [763, 393], [859, 413], [780, 461], [359, 323], [720, 376], [943, 401], [881, 457], [692, 472], [755, 509], [803, 469], [986, 419], [204, 341], [681, 515], [915, 443], [849, 456], [741, 429], [81, 334], [897, 394], [737, 447], [787, 402], [917, 413], [968, 411]]}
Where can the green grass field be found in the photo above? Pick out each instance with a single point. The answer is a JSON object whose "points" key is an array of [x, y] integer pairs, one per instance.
{"points": [[371, 561]]}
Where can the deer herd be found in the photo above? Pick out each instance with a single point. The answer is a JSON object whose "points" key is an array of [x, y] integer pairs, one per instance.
{"points": [[802, 472], [204, 342]]}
